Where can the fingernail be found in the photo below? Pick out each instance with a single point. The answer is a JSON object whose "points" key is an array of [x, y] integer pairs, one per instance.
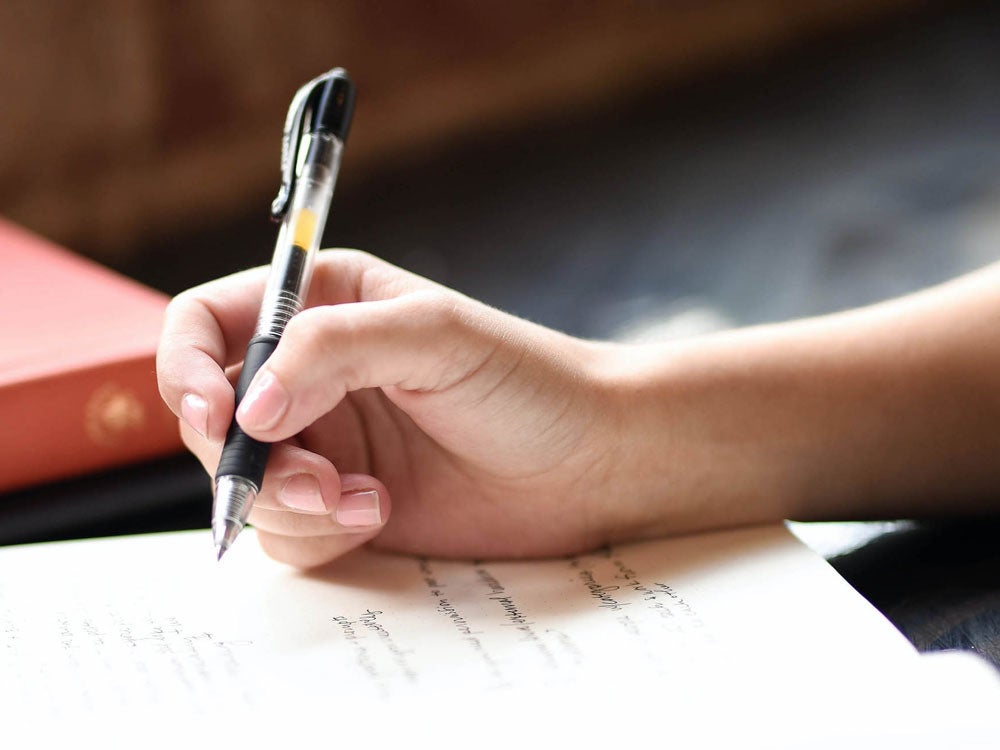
{"points": [[301, 492], [194, 410], [264, 403], [359, 509]]}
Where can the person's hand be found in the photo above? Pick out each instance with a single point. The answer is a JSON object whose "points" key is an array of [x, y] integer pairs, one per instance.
{"points": [[492, 437], [480, 434]]}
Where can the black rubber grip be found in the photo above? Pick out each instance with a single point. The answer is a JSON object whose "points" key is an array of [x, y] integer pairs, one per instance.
{"points": [[243, 456]]}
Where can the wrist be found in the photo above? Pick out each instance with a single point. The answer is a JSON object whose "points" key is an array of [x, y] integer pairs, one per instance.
{"points": [[701, 440]]}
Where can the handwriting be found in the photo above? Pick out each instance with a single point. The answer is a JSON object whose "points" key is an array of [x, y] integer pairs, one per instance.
{"points": [[368, 623], [601, 593]]}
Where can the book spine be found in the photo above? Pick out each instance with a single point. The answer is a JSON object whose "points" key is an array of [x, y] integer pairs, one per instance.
{"points": [[83, 421]]}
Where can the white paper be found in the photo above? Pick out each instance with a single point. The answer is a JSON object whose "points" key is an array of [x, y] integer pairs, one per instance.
{"points": [[746, 624]]}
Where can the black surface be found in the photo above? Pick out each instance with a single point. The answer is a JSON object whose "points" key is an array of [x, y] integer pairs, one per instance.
{"points": [[164, 495], [939, 583]]}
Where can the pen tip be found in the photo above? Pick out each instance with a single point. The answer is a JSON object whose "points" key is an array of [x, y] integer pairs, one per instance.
{"points": [[222, 551]]}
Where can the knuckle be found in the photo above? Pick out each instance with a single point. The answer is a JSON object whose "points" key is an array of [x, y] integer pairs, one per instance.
{"points": [[352, 255], [308, 331], [353, 262], [438, 308], [180, 303]]}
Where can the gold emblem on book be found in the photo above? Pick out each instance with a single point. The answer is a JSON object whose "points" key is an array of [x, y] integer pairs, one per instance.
{"points": [[112, 414]]}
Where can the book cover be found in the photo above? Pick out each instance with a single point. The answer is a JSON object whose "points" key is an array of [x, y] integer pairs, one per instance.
{"points": [[78, 386]]}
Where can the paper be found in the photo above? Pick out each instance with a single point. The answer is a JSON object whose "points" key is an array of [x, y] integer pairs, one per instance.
{"points": [[729, 621]]}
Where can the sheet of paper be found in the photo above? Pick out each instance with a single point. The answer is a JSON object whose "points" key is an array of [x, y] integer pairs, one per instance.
{"points": [[737, 619]]}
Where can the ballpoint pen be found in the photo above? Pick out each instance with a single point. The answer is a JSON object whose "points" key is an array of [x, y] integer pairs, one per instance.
{"points": [[315, 130]]}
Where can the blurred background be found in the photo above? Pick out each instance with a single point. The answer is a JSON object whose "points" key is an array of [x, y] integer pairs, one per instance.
{"points": [[613, 169]]}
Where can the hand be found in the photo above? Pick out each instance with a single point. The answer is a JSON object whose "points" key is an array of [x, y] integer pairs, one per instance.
{"points": [[486, 436], [480, 434]]}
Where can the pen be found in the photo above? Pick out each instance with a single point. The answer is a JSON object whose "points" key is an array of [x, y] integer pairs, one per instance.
{"points": [[315, 130]]}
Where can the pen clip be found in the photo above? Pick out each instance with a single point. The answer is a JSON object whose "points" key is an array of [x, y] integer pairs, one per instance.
{"points": [[302, 102]]}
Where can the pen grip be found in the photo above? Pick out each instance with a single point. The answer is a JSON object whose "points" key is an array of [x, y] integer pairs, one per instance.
{"points": [[242, 456]]}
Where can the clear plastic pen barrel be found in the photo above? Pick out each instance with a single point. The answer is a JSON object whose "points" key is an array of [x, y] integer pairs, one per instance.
{"points": [[300, 235]]}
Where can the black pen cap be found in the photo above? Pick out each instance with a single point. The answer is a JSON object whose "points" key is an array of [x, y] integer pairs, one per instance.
{"points": [[333, 105]]}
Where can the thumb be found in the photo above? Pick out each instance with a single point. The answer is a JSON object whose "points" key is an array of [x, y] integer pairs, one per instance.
{"points": [[424, 341]]}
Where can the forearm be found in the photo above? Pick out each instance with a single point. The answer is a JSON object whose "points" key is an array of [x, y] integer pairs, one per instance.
{"points": [[888, 411]]}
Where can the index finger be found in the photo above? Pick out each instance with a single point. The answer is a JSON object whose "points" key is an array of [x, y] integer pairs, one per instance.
{"points": [[207, 328]]}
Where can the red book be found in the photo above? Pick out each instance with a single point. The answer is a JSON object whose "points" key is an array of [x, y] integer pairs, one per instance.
{"points": [[77, 365]]}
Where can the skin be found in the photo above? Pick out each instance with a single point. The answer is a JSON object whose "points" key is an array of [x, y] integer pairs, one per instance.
{"points": [[477, 434]]}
